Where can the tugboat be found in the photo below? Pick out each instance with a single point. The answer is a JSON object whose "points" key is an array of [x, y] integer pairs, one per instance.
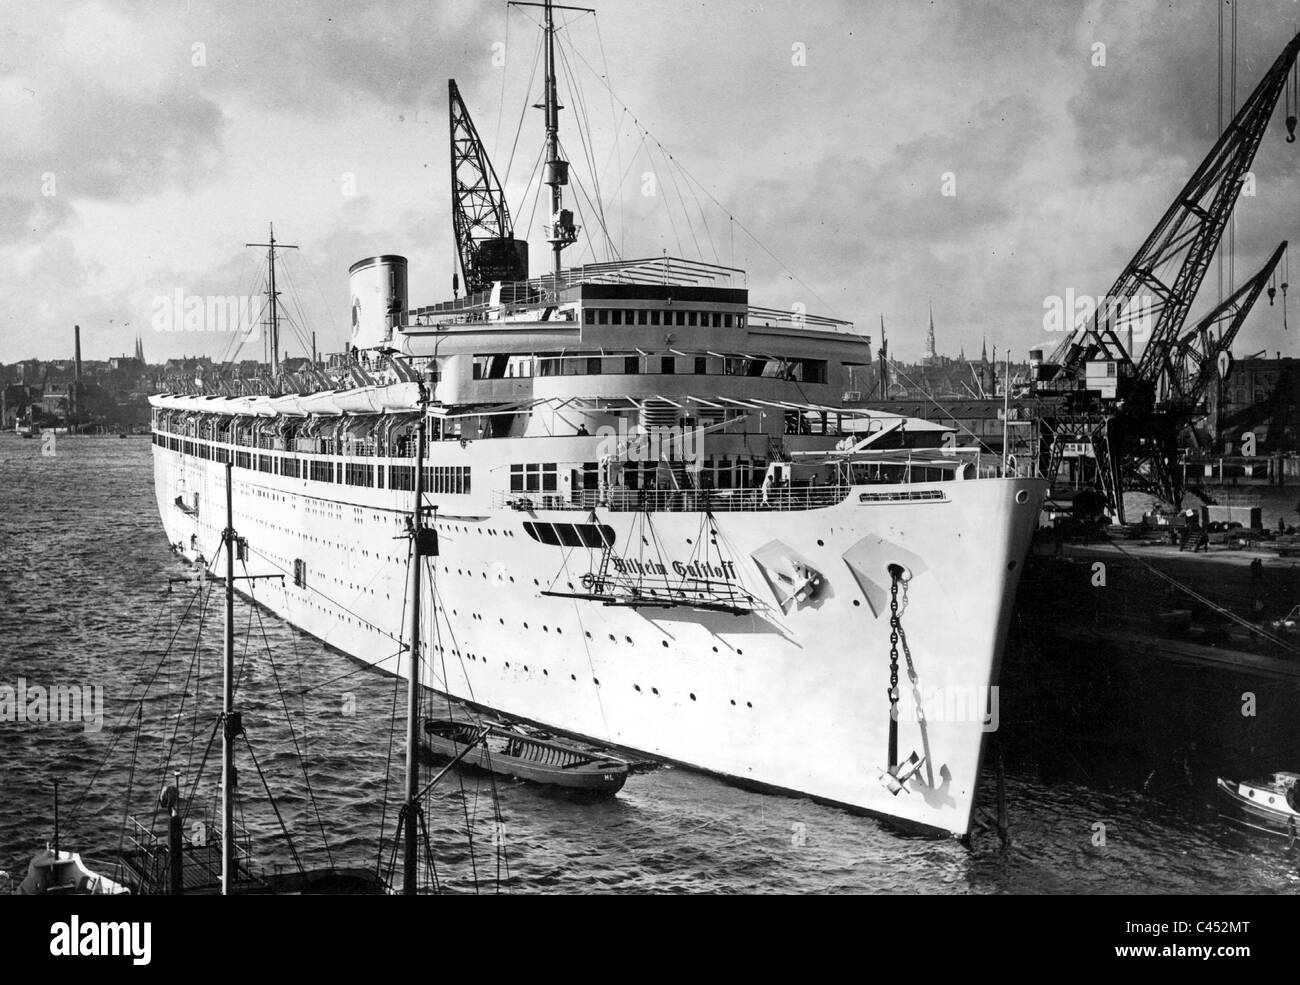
{"points": [[56, 873], [1263, 805]]}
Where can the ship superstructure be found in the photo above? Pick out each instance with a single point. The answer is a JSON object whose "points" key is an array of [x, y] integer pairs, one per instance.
{"points": [[658, 528]]}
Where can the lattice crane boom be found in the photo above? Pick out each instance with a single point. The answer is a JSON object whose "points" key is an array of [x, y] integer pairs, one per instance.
{"points": [[1186, 235], [1196, 354], [485, 240]]}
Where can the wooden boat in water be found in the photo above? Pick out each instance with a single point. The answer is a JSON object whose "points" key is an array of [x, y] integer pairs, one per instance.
{"points": [[1263, 805], [506, 752]]}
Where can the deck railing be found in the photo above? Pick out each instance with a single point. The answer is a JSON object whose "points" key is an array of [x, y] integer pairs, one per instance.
{"points": [[677, 500]]}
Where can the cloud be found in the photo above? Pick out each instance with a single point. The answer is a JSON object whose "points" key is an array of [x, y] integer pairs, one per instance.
{"points": [[175, 132]]}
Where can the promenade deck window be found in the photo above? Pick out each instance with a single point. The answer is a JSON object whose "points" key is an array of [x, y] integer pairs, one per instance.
{"points": [[533, 477]]}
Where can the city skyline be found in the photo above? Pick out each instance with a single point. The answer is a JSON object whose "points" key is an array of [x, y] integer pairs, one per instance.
{"points": [[168, 137]]}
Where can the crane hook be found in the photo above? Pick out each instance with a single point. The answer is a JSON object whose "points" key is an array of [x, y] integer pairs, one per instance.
{"points": [[1272, 293], [1290, 129]]}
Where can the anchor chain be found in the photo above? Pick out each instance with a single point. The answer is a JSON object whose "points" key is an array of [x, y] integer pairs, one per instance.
{"points": [[911, 667], [895, 629]]}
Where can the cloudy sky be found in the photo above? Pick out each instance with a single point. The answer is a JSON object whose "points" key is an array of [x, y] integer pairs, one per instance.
{"points": [[142, 144]]}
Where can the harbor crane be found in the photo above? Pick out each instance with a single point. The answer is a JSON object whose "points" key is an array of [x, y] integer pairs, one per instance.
{"points": [[1132, 408], [485, 241]]}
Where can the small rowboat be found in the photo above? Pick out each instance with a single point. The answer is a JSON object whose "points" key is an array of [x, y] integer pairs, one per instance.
{"points": [[503, 751], [1264, 805]]}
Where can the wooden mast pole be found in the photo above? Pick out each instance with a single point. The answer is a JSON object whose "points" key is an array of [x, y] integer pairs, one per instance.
{"points": [[411, 810]]}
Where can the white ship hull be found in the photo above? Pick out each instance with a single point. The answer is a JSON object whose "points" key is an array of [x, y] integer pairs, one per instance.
{"points": [[792, 700]]}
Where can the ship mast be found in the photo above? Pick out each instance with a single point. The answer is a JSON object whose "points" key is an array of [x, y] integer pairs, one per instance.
{"points": [[423, 543], [274, 296], [560, 230], [230, 719]]}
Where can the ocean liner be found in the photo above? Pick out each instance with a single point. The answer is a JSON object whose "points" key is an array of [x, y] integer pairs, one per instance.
{"points": [[651, 523]]}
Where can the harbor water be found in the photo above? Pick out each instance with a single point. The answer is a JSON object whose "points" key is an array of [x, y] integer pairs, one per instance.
{"points": [[91, 594]]}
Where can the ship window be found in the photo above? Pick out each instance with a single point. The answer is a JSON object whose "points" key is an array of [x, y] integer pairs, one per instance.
{"points": [[532, 477], [641, 316], [740, 321], [543, 532], [680, 318], [399, 476], [589, 535], [667, 365], [692, 318], [596, 535], [631, 364], [716, 320], [807, 370], [629, 318], [589, 316], [654, 318], [602, 317], [701, 365], [616, 317], [593, 366], [299, 573]]}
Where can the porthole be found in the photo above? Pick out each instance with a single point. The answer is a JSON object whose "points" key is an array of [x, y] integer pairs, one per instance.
{"points": [[1022, 497]]}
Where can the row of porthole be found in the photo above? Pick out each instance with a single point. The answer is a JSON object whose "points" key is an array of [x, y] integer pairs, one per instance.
{"points": [[490, 531], [574, 677]]}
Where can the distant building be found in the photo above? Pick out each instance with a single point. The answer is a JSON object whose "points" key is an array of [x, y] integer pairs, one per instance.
{"points": [[1262, 397]]}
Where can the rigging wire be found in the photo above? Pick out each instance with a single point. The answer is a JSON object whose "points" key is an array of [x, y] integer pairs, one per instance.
{"points": [[707, 194], [600, 41], [288, 718]]}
